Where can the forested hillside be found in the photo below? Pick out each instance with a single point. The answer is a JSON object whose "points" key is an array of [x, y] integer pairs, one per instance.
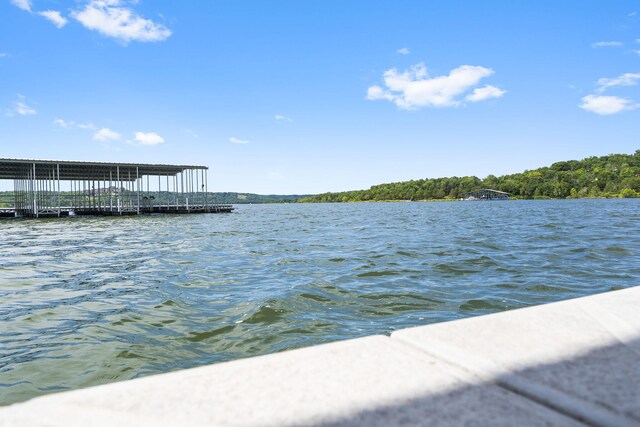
{"points": [[615, 175]]}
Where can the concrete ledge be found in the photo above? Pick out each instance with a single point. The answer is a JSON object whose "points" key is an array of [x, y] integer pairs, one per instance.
{"points": [[580, 357], [559, 364]]}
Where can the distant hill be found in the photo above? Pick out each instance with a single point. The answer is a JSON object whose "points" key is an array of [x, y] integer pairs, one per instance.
{"points": [[240, 198], [615, 175]]}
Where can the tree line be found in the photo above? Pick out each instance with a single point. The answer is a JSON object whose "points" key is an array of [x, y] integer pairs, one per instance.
{"points": [[615, 175]]}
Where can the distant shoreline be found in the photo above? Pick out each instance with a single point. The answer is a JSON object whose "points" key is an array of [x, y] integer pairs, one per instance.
{"points": [[612, 176]]}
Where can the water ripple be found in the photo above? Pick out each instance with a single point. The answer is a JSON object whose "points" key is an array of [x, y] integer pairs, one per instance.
{"points": [[85, 301]]}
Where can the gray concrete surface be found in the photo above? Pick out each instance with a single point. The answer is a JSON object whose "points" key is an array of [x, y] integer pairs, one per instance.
{"points": [[581, 357], [564, 364]]}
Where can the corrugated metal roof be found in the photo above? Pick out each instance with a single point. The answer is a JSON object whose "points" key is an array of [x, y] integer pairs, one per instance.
{"points": [[73, 170]]}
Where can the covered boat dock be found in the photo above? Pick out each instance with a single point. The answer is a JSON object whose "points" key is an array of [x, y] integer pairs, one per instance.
{"points": [[486, 194], [51, 188]]}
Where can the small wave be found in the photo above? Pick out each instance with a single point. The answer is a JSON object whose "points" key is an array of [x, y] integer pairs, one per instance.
{"points": [[167, 303], [379, 273], [315, 297], [480, 304], [453, 269], [201, 336], [266, 314], [617, 249]]}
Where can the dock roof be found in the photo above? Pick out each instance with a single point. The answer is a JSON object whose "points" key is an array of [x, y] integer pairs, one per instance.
{"points": [[71, 170], [493, 191]]}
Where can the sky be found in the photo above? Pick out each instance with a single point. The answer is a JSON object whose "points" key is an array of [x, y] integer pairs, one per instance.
{"points": [[304, 97]]}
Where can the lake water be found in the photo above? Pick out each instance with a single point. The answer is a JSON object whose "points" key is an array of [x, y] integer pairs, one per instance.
{"points": [[85, 301]]}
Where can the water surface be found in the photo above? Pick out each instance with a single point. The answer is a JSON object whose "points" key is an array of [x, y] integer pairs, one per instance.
{"points": [[85, 301]]}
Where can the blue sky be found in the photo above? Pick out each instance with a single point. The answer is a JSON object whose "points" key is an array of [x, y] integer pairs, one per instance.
{"points": [[306, 97]]}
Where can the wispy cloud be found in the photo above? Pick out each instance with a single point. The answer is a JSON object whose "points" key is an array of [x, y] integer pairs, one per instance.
{"points": [[54, 17], [106, 134], [627, 79], [3, 54], [73, 125], [86, 126], [606, 105], [111, 19], [606, 44], [63, 123], [414, 88], [148, 138], [484, 93], [281, 118], [21, 107], [403, 51], [191, 132], [235, 140], [22, 4]]}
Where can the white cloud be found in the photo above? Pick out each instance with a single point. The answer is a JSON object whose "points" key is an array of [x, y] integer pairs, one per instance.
{"points": [[63, 124], [606, 105], [605, 44], [627, 79], [86, 126], [148, 138], [73, 125], [414, 88], [21, 107], [486, 92], [191, 132], [22, 4], [106, 134], [281, 118], [24, 110], [55, 17], [52, 15], [235, 140], [403, 51], [3, 54], [109, 18]]}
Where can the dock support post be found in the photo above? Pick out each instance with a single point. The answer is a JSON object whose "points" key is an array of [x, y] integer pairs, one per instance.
{"points": [[206, 190], [110, 191], [33, 191], [119, 187], [138, 185], [182, 184], [58, 173], [198, 191]]}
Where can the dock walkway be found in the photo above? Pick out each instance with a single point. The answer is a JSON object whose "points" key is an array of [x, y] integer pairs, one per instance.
{"points": [[571, 363]]}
